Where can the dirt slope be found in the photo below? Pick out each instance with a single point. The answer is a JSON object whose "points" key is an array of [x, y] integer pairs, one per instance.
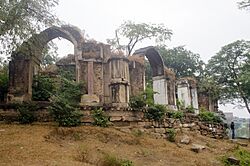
{"points": [[42, 144]]}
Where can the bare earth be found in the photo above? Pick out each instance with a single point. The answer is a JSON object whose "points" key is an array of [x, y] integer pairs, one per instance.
{"points": [[46, 144]]}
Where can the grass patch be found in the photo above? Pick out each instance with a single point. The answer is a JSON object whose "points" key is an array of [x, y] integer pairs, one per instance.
{"points": [[241, 154], [112, 160]]}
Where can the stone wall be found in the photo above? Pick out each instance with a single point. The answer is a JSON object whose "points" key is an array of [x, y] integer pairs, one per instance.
{"points": [[123, 117]]}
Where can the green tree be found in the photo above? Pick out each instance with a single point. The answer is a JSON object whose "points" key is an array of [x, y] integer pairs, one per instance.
{"points": [[19, 19], [137, 32], [230, 69], [50, 55], [182, 61]]}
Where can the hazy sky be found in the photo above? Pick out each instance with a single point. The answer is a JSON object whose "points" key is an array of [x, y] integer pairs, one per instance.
{"points": [[203, 26]]}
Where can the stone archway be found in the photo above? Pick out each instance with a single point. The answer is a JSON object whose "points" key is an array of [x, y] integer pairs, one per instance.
{"points": [[161, 78], [154, 59], [24, 59]]}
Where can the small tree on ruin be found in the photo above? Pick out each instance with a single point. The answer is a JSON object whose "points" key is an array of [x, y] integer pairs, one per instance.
{"points": [[131, 33]]}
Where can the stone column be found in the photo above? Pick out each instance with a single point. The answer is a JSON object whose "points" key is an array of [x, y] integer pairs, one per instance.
{"points": [[194, 98], [91, 98], [78, 57], [160, 87], [20, 80], [90, 78], [183, 92]]}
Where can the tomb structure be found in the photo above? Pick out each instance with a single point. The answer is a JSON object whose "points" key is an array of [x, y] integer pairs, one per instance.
{"points": [[109, 78]]}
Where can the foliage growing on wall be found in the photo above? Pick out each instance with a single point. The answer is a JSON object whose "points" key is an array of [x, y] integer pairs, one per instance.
{"points": [[171, 134], [144, 99], [156, 112], [26, 113], [209, 117], [100, 119], [64, 113], [43, 87]]}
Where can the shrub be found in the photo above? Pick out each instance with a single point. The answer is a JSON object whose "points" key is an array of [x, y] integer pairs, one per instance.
{"points": [[111, 160], [156, 112], [203, 109], [242, 155], [137, 102], [144, 99], [70, 91], [180, 105], [209, 117], [42, 88], [99, 118], [65, 114], [149, 95], [176, 114], [171, 135], [190, 109], [26, 113]]}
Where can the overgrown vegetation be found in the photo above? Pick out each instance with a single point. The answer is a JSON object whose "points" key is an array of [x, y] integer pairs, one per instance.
{"points": [[111, 160], [70, 91], [242, 155], [209, 117], [180, 105], [64, 107], [64, 113], [100, 119], [190, 109], [145, 99], [171, 134], [26, 113], [156, 112], [137, 102], [177, 115], [42, 88]]}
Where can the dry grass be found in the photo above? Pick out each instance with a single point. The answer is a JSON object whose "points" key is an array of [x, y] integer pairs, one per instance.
{"points": [[48, 145]]}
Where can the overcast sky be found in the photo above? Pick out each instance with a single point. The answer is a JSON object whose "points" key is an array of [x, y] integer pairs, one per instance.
{"points": [[203, 26]]}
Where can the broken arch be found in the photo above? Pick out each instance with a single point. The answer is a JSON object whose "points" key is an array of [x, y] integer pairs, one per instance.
{"points": [[29, 55], [163, 78]]}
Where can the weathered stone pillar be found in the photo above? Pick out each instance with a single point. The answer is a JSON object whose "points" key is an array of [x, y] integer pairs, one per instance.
{"points": [[160, 87], [183, 92], [90, 98], [78, 66], [20, 80], [90, 78], [187, 93]]}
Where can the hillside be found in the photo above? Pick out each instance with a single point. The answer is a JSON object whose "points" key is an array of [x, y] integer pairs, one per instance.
{"points": [[46, 144]]}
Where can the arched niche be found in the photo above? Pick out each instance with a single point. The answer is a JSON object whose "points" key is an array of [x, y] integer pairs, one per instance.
{"points": [[29, 55], [161, 79]]}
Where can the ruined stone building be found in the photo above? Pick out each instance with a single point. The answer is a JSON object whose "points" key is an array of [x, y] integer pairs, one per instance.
{"points": [[109, 78]]}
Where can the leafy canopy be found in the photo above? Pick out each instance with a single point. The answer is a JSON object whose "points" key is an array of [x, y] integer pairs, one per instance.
{"points": [[19, 19], [133, 33], [230, 69], [182, 61]]}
